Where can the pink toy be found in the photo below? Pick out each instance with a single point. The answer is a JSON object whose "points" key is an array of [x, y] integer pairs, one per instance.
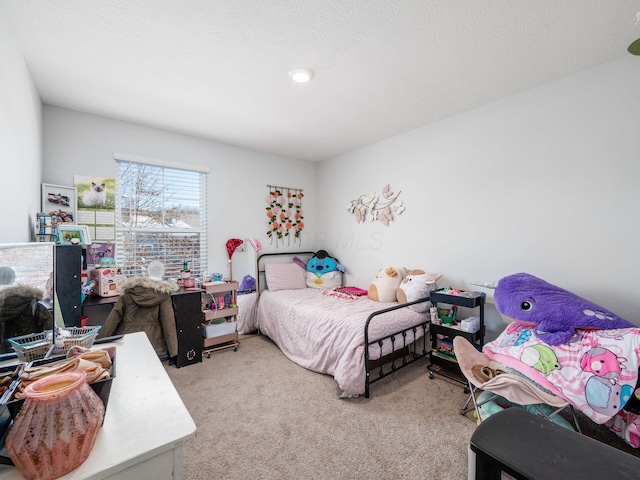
{"points": [[603, 363]]}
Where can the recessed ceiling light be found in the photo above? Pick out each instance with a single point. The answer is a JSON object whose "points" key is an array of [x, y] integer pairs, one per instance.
{"points": [[301, 75]]}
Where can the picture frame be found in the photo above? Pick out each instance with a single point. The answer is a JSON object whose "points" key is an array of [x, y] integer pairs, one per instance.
{"points": [[99, 250], [68, 233], [62, 201]]}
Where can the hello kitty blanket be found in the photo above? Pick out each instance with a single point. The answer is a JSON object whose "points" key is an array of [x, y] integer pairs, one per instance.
{"points": [[596, 371]]}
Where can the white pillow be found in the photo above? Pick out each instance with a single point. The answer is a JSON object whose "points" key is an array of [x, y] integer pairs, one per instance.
{"points": [[324, 281], [284, 276]]}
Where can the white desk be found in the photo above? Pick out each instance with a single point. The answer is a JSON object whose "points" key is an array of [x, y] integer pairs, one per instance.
{"points": [[145, 425]]}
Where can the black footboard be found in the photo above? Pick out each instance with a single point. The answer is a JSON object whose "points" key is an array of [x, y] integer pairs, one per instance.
{"points": [[403, 353]]}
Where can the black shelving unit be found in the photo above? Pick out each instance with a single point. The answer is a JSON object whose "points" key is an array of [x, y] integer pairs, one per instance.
{"points": [[68, 283], [442, 363], [187, 309]]}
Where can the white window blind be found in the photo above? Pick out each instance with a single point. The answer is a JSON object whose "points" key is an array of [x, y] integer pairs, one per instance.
{"points": [[161, 214]]}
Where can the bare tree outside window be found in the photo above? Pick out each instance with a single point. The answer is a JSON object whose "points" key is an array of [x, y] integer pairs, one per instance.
{"points": [[160, 215]]}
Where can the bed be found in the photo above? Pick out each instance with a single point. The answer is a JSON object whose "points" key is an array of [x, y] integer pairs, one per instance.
{"points": [[356, 340], [247, 312]]}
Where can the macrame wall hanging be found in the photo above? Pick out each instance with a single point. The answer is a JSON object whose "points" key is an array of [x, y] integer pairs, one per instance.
{"points": [[372, 207], [285, 214]]}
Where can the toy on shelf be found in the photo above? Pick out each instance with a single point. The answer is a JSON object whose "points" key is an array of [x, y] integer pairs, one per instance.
{"points": [[448, 315], [460, 293], [46, 227]]}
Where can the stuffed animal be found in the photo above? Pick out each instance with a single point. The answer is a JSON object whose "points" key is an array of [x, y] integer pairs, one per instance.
{"points": [[416, 285], [324, 281], [322, 262], [385, 285], [556, 313], [323, 271], [248, 284]]}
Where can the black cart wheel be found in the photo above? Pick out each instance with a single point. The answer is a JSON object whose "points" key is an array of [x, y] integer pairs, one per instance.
{"points": [[431, 376]]}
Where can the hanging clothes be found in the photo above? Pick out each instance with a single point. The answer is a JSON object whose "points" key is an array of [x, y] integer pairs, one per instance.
{"points": [[145, 306]]}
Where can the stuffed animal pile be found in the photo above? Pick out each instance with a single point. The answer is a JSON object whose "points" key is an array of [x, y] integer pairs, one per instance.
{"points": [[389, 286]]}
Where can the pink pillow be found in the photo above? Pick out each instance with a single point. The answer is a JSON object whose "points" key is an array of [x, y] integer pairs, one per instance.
{"points": [[285, 276]]}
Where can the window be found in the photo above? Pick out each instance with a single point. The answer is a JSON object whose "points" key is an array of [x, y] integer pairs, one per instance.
{"points": [[161, 214], [27, 264]]}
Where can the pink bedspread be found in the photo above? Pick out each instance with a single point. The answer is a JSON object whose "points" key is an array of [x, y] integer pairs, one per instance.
{"points": [[596, 372], [326, 334]]}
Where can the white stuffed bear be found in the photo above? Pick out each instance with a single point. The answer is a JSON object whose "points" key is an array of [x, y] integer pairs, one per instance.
{"points": [[384, 286], [416, 285]]}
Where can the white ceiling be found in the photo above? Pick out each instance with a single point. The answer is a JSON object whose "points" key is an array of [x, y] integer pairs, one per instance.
{"points": [[218, 68]]}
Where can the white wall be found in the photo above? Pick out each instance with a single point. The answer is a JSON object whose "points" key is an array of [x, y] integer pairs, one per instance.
{"points": [[81, 144], [20, 141], [545, 182]]}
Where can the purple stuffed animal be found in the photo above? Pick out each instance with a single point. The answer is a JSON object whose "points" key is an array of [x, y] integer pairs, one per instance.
{"points": [[555, 312], [248, 284]]}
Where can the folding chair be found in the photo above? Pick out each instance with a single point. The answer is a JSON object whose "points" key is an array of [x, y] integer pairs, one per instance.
{"points": [[514, 388]]}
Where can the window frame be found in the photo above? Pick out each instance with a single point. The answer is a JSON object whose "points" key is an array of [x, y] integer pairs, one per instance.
{"points": [[136, 263]]}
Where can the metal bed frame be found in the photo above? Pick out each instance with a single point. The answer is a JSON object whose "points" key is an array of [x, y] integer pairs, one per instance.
{"points": [[403, 353]]}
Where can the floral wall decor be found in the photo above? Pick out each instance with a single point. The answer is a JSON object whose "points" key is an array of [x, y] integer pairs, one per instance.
{"points": [[285, 214], [373, 207]]}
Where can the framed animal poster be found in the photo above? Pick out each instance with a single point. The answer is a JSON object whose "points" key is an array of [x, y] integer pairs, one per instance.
{"points": [[61, 201], [95, 193], [96, 206]]}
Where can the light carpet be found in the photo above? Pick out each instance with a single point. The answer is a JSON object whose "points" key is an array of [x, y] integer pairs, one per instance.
{"points": [[260, 416]]}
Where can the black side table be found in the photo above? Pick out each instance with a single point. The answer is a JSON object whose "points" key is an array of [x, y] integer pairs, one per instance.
{"points": [[526, 446]]}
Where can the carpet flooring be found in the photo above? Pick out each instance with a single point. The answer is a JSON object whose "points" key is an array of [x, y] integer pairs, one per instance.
{"points": [[260, 416]]}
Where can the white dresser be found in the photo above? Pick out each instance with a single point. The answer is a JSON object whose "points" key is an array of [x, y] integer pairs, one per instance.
{"points": [[145, 426]]}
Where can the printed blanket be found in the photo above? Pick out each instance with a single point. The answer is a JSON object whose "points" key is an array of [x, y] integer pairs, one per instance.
{"points": [[596, 371]]}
